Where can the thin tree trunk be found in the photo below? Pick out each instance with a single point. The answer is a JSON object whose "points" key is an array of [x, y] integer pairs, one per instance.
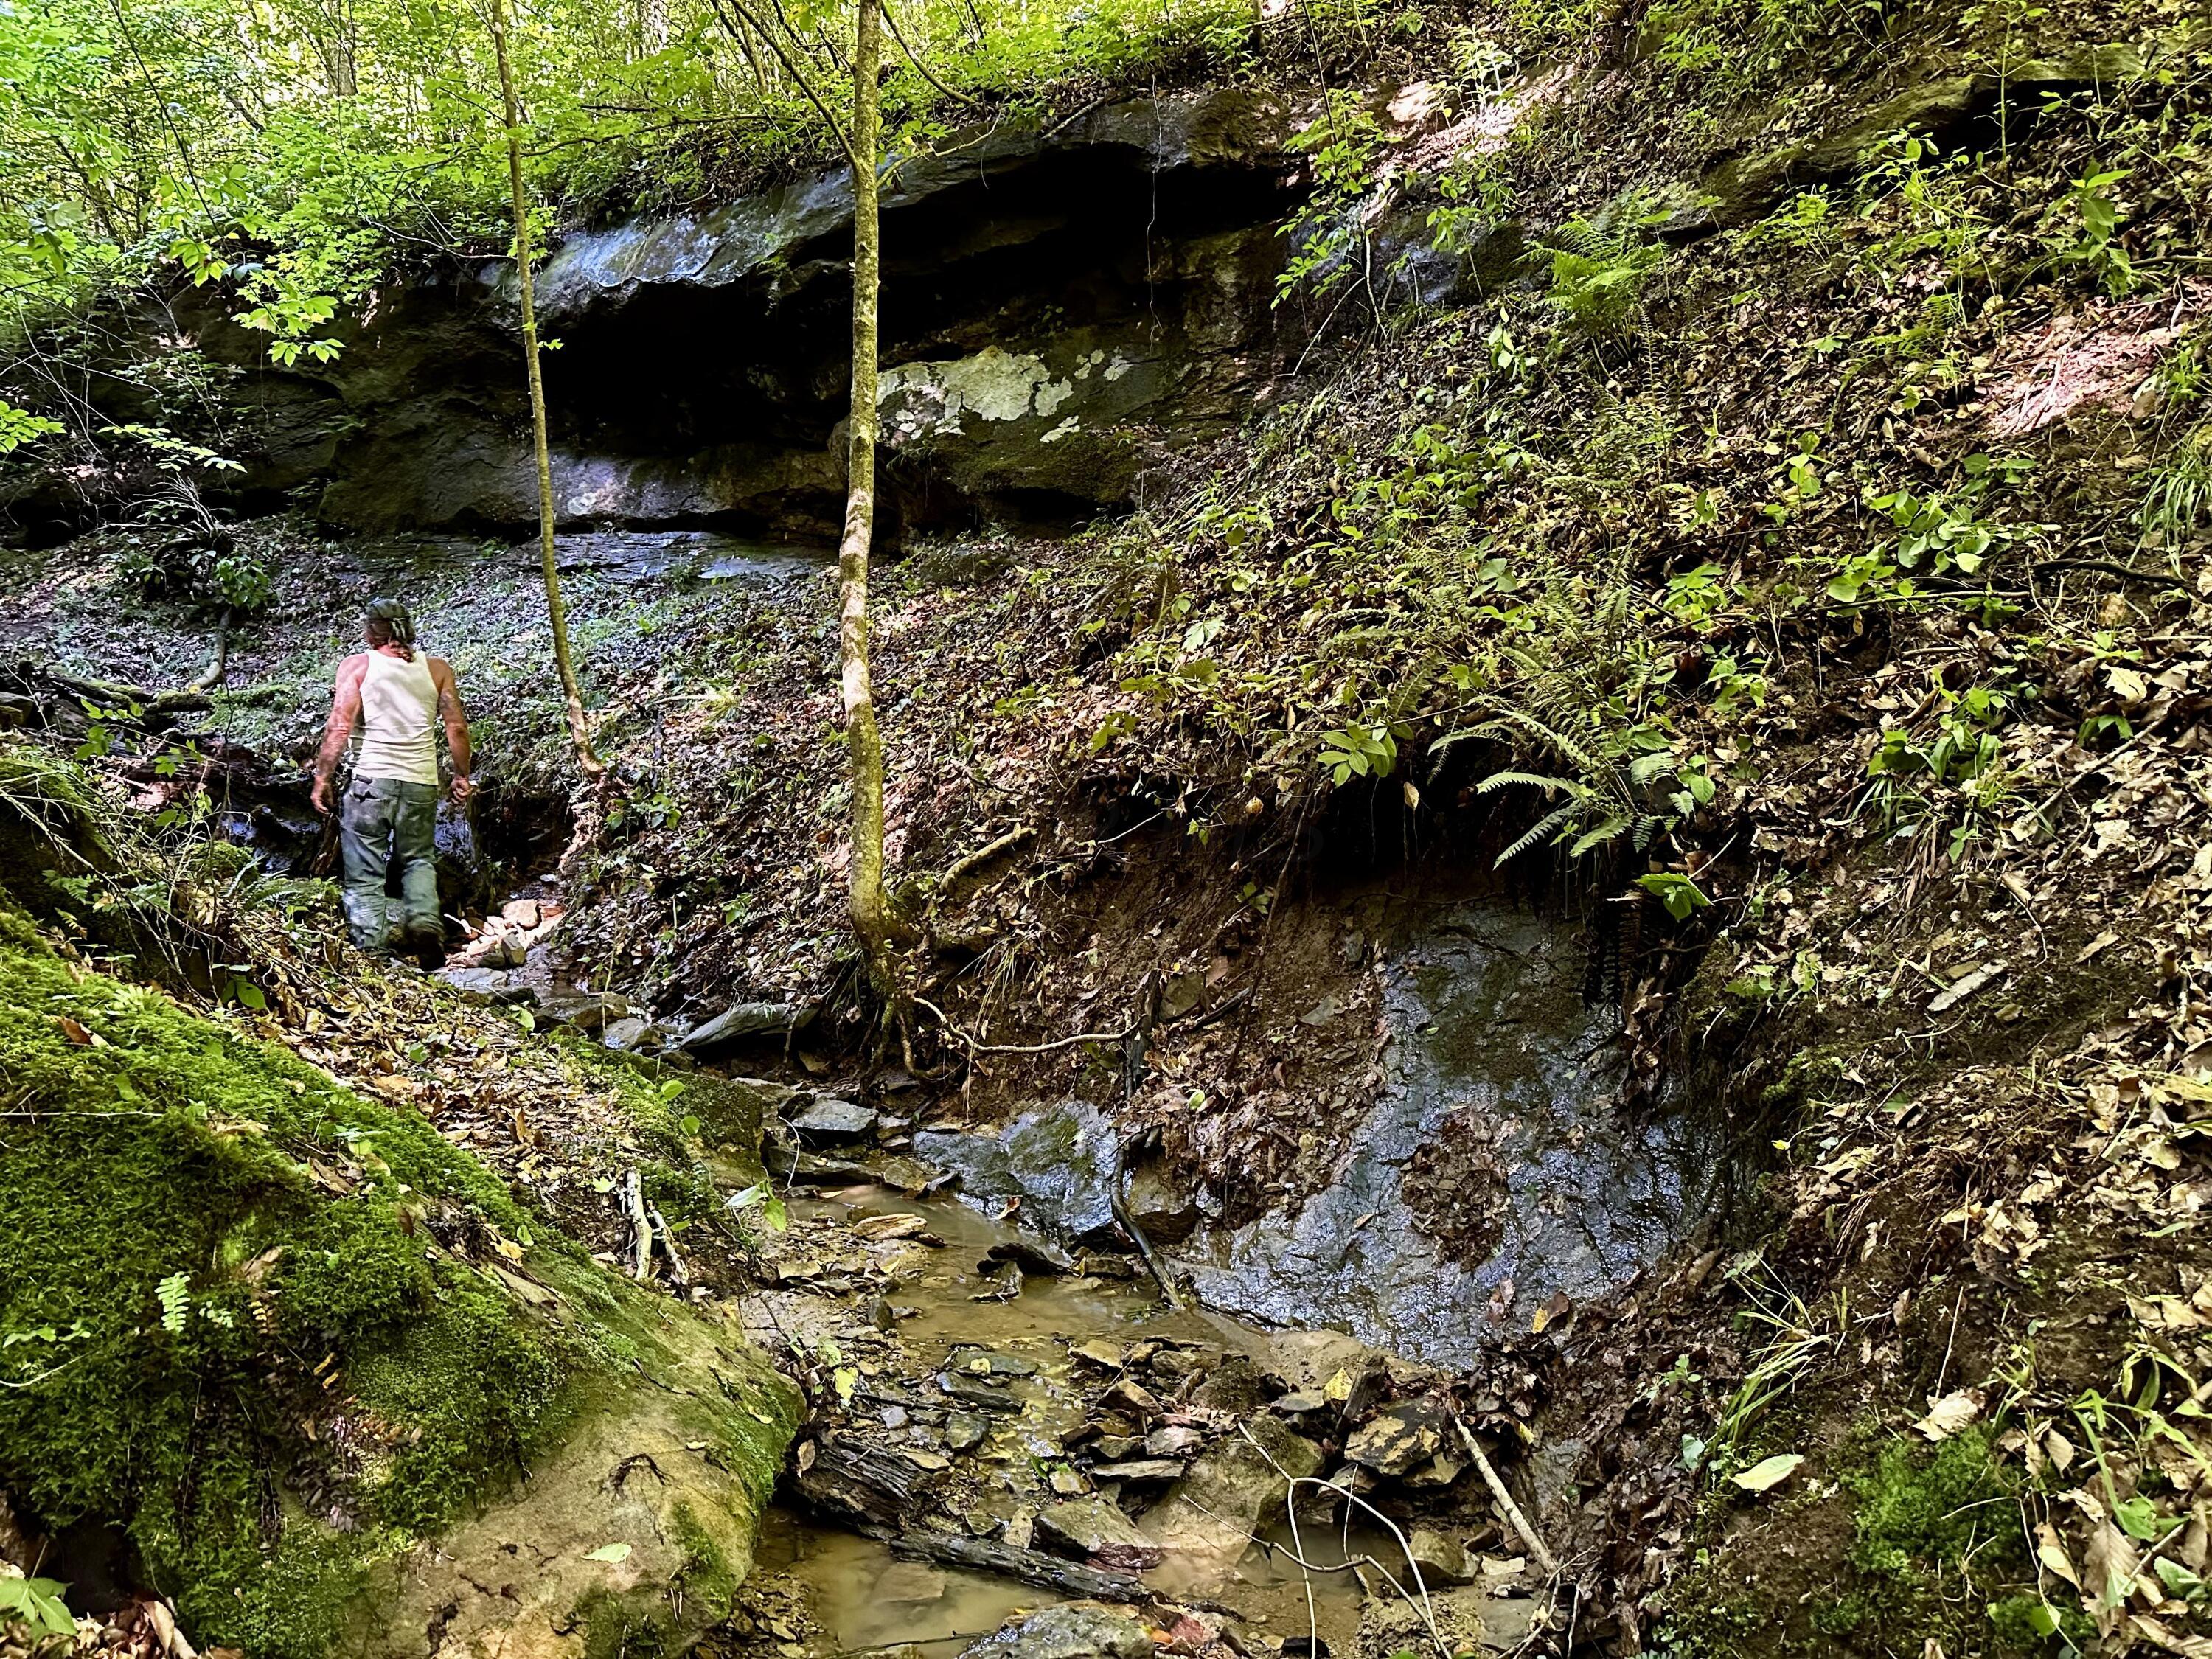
{"points": [[652, 25], [557, 612], [871, 913]]}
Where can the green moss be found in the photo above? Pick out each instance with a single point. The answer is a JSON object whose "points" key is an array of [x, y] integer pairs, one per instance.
{"points": [[321, 1341], [1935, 1508], [708, 1574]]}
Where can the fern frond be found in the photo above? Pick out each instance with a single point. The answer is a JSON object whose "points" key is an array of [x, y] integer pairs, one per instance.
{"points": [[1545, 825], [1536, 779], [1597, 837]]}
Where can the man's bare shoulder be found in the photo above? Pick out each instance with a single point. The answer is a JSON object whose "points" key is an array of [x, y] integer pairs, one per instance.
{"points": [[442, 672], [353, 667]]}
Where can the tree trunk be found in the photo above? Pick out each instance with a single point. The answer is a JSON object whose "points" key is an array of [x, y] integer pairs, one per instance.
{"points": [[587, 758], [871, 913], [652, 25]]}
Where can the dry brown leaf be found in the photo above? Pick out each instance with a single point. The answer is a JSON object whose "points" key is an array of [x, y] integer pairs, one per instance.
{"points": [[1953, 1413]]}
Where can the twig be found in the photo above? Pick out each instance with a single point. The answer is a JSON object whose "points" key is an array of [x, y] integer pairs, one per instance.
{"points": [[975, 1047], [1511, 1510], [926, 72], [983, 855], [641, 1224], [2108, 567], [1289, 1501], [678, 1274]]}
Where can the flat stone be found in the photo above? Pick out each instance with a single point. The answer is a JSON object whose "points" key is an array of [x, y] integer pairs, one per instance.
{"points": [[629, 1034], [747, 1019], [909, 1176], [525, 913], [965, 1430], [1092, 1530], [1399, 1440], [1140, 1469], [486, 985], [1073, 1630], [984, 1361], [1173, 1441], [580, 1009], [830, 1121], [973, 1391], [1107, 1355], [1439, 1557]]}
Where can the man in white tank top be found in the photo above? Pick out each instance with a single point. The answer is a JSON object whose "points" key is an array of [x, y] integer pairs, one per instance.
{"points": [[398, 698]]}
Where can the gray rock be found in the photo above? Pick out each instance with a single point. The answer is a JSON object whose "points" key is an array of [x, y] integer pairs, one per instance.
{"points": [[964, 1430], [1092, 1530], [1161, 1205], [486, 985], [830, 1121], [580, 1009], [1232, 1491], [629, 1034], [747, 1019], [1140, 1470], [983, 1362], [1073, 1630], [1441, 1560], [1058, 1160], [1489, 1059], [1401, 1439]]}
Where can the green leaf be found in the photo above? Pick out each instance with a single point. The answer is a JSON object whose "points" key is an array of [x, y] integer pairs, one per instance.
{"points": [[1768, 1473], [2139, 1518], [175, 1298], [1678, 893], [37, 1603], [608, 1552]]}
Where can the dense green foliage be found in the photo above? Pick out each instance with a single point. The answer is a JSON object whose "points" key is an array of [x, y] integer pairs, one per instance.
{"points": [[295, 153]]}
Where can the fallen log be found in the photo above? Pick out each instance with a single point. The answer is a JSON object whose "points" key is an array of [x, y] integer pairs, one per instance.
{"points": [[869, 1488], [1030, 1566]]}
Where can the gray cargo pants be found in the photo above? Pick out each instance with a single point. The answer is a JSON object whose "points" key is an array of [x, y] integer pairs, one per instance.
{"points": [[384, 821]]}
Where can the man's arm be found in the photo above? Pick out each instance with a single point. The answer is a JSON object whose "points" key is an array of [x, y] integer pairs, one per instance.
{"points": [[345, 713], [456, 720]]}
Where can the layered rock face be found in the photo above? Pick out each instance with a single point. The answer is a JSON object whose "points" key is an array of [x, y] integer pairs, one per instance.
{"points": [[1060, 308]]}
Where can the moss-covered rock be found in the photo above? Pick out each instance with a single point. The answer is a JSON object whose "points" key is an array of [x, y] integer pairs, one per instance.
{"points": [[303, 1351]]}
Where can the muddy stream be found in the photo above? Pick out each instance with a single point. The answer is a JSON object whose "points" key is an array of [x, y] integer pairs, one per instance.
{"points": [[945, 1308]]}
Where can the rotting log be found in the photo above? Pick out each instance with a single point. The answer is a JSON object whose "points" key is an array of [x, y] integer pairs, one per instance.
{"points": [[1030, 1566]]}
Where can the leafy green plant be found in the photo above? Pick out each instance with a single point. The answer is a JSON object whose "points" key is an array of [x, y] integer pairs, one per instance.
{"points": [[19, 427], [1599, 267], [1678, 893], [37, 1605], [1342, 146]]}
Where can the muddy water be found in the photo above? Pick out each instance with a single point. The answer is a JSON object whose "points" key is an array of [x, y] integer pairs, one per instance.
{"points": [[867, 1599]]}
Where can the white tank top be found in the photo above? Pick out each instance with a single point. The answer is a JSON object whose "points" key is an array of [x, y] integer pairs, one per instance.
{"points": [[399, 720]]}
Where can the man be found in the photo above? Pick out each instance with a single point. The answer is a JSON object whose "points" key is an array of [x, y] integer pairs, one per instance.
{"points": [[397, 696]]}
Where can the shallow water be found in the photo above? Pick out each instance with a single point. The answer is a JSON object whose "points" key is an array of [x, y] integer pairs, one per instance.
{"points": [[869, 1599]]}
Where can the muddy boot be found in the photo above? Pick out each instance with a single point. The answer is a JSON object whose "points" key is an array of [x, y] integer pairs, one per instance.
{"points": [[425, 947]]}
